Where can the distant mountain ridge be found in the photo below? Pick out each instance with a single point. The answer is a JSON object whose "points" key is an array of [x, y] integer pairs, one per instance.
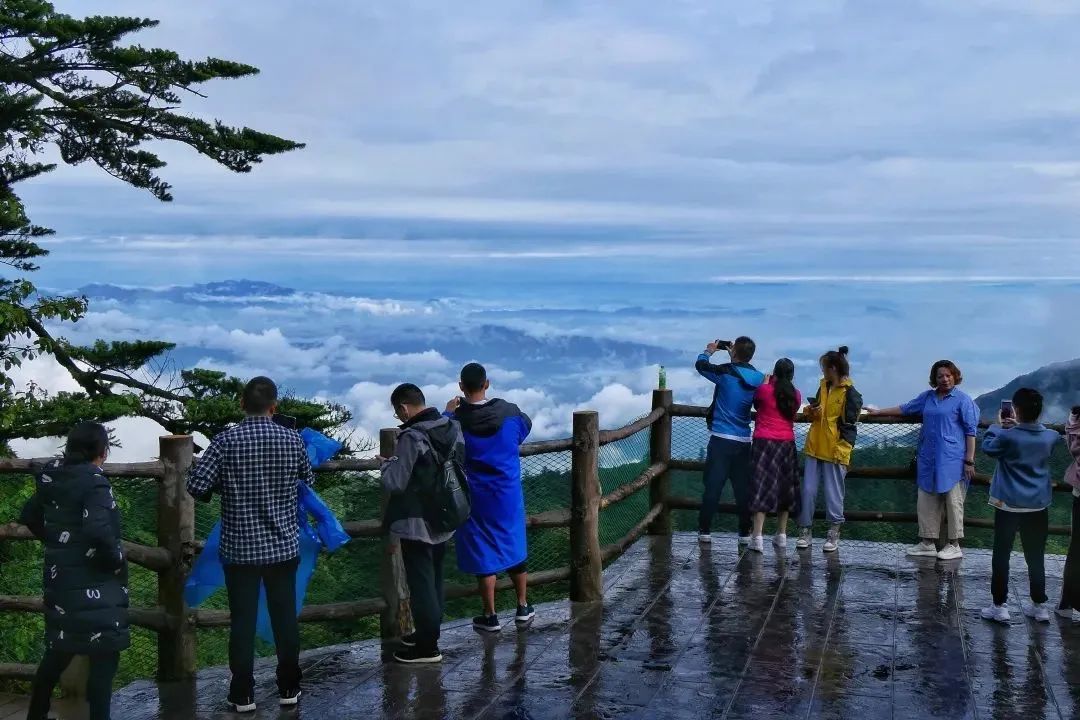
{"points": [[180, 293], [1059, 383]]}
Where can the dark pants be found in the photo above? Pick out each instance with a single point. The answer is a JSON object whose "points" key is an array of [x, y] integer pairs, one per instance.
{"points": [[725, 459], [242, 582], [98, 683], [424, 573], [1070, 593], [1033, 527]]}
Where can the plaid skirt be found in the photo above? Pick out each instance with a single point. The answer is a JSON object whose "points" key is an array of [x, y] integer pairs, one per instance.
{"points": [[775, 470]]}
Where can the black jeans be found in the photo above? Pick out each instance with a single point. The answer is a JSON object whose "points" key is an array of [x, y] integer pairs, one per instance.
{"points": [[98, 683], [424, 573], [725, 459], [242, 582], [1033, 527], [1070, 592]]}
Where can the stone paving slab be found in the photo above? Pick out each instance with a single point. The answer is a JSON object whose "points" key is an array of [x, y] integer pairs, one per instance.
{"points": [[689, 631]]}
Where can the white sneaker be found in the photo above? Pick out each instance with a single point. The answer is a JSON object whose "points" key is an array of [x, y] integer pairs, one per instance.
{"points": [[925, 548], [951, 551], [806, 539], [1038, 611], [744, 539], [704, 538], [757, 544], [780, 540], [1067, 613], [997, 613], [832, 540]]}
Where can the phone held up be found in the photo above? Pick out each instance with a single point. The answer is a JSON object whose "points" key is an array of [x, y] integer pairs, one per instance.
{"points": [[1006, 410], [723, 344], [285, 421]]}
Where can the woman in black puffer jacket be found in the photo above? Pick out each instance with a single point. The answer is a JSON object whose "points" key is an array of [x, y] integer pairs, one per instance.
{"points": [[74, 515]]}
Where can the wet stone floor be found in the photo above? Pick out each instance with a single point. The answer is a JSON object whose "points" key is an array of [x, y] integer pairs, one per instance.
{"points": [[711, 632]]}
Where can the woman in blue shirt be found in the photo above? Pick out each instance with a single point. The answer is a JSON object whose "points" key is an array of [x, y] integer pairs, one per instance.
{"points": [[946, 457]]}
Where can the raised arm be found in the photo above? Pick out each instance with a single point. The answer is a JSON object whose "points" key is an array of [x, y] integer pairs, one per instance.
{"points": [[204, 477], [995, 442]]}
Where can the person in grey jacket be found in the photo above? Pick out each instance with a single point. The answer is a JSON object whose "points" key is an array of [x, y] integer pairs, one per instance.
{"points": [[427, 438]]}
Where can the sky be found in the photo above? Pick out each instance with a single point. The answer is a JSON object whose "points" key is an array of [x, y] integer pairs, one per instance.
{"points": [[901, 177]]}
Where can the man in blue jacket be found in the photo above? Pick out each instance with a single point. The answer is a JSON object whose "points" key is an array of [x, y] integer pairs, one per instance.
{"points": [[1020, 493], [729, 426], [493, 539]]}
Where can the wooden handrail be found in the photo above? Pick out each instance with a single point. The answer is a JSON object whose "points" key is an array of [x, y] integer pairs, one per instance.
{"points": [[639, 483], [310, 613], [157, 559], [689, 503], [610, 436], [700, 411], [149, 618], [17, 671], [30, 466], [897, 472], [609, 552]]}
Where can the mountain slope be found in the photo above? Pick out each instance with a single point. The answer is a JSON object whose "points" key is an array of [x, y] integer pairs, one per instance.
{"points": [[1059, 383]]}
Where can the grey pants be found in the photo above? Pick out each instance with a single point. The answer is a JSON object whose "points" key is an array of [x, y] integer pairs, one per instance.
{"points": [[831, 475]]}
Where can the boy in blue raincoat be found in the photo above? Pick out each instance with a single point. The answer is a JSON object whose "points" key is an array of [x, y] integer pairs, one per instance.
{"points": [[493, 539]]}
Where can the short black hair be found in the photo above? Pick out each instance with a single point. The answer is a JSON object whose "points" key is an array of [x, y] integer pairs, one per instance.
{"points": [[473, 377], [1028, 403], [86, 442], [743, 349], [407, 394], [260, 395]]}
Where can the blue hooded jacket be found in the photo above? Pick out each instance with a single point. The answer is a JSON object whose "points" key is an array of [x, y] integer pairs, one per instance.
{"points": [[1022, 477], [729, 414], [493, 539]]}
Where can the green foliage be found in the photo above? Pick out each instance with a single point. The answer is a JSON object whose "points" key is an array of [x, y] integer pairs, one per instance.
{"points": [[72, 84]]}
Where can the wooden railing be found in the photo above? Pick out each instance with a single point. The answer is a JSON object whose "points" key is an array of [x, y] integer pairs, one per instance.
{"points": [[171, 559], [176, 625]]}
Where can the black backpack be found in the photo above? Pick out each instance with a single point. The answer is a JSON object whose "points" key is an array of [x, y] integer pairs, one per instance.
{"points": [[449, 504]]}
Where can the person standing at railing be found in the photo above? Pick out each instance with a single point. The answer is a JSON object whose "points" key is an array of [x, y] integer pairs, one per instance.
{"points": [[85, 576], [774, 457], [256, 467], [946, 458], [427, 440], [493, 539], [728, 455], [1020, 493], [835, 414], [1070, 591]]}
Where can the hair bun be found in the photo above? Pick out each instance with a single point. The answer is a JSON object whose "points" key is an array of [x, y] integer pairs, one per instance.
{"points": [[843, 349]]}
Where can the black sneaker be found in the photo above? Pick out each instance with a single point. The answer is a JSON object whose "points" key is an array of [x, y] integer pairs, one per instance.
{"points": [[487, 623], [525, 614], [416, 656], [246, 705], [289, 698], [409, 640]]}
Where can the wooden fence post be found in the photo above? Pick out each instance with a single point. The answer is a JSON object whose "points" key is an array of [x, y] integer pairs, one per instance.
{"points": [[396, 618], [586, 567], [176, 533], [660, 451]]}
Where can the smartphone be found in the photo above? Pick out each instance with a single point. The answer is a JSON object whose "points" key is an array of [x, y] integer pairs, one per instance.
{"points": [[1006, 409], [723, 344], [285, 421]]}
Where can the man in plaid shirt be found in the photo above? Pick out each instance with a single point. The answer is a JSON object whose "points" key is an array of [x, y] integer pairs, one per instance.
{"points": [[256, 467]]}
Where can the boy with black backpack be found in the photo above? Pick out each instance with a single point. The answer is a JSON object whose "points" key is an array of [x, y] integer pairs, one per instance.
{"points": [[428, 501]]}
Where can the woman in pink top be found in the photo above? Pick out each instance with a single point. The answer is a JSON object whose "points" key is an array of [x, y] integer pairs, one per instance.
{"points": [[774, 458]]}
